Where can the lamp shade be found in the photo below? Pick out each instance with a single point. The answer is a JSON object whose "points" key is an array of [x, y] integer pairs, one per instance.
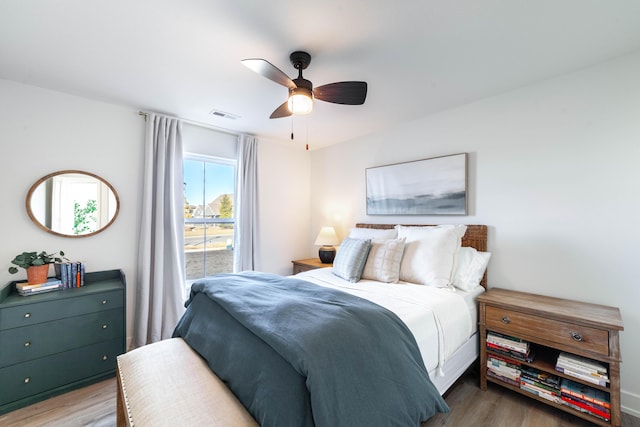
{"points": [[300, 101], [327, 237]]}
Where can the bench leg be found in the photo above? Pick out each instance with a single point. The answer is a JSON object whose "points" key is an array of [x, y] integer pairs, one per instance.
{"points": [[121, 418]]}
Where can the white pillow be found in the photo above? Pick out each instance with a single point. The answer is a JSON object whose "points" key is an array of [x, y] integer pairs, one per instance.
{"points": [[383, 262], [429, 253], [469, 268], [372, 233]]}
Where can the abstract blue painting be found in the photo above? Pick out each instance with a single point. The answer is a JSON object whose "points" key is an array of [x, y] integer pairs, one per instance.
{"points": [[436, 186]]}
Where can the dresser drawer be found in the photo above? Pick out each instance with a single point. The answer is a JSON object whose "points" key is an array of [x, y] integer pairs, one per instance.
{"points": [[35, 376], [570, 335], [30, 314], [35, 341]]}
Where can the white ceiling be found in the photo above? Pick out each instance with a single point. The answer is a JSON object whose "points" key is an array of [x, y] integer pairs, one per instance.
{"points": [[418, 57]]}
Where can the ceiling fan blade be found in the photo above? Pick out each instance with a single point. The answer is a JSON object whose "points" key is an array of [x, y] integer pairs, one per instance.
{"points": [[348, 93], [270, 71], [281, 111]]}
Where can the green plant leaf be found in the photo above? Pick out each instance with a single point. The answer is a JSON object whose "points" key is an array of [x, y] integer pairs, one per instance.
{"points": [[28, 259]]}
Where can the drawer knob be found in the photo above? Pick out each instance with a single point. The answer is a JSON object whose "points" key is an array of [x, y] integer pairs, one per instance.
{"points": [[27, 343], [105, 326], [27, 315], [104, 357], [505, 319], [576, 336], [104, 301], [26, 380]]}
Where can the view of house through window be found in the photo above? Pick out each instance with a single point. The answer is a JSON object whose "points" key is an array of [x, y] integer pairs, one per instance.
{"points": [[209, 211]]}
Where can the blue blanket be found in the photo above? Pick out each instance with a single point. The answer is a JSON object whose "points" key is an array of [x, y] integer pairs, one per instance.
{"points": [[298, 354]]}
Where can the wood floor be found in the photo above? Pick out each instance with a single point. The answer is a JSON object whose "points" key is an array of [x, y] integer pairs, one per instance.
{"points": [[95, 406]]}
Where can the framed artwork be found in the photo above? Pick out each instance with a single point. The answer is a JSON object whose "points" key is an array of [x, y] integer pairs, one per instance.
{"points": [[436, 186]]}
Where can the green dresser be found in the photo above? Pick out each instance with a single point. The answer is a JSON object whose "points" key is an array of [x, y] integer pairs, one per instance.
{"points": [[54, 342]]}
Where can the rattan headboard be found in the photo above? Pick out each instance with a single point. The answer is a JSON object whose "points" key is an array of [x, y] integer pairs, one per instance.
{"points": [[475, 237]]}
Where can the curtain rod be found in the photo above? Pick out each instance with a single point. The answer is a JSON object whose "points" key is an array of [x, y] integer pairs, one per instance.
{"points": [[194, 123]]}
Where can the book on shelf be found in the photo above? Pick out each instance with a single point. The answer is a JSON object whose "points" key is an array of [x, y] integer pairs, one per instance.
{"points": [[582, 407], [582, 368], [577, 368], [586, 403], [545, 377], [504, 371], [584, 376], [545, 394], [525, 357], [71, 274], [539, 384], [25, 288], [502, 378], [500, 360], [584, 363], [508, 342], [584, 392], [25, 285]]}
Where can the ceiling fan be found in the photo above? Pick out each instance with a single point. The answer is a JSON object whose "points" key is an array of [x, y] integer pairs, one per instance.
{"points": [[301, 91]]}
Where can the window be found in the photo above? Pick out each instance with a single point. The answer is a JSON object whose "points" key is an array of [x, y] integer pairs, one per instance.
{"points": [[209, 215]]}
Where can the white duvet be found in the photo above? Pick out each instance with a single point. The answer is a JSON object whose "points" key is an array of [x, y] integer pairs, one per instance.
{"points": [[441, 319]]}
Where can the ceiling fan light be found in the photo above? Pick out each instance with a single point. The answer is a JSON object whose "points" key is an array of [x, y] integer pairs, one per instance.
{"points": [[300, 101]]}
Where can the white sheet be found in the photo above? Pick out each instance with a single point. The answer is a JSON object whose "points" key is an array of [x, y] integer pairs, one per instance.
{"points": [[440, 319]]}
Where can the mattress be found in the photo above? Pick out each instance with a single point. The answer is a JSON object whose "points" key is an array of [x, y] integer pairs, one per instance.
{"points": [[442, 320]]}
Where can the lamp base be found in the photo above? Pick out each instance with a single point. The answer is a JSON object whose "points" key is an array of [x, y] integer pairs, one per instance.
{"points": [[327, 254]]}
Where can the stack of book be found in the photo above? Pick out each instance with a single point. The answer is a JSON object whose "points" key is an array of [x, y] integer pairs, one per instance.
{"points": [[586, 399], [503, 369], [583, 368], [509, 346], [26, 288], [540, 383], [71, 274]]}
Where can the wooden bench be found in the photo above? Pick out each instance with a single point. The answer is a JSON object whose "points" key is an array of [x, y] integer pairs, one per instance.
{"points": [[169, 384]]}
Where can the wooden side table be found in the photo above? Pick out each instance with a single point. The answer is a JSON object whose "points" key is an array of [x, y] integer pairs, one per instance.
{"points": [[554, 325], [301, 265]]}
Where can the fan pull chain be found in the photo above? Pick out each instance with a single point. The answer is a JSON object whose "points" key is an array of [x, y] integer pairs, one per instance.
{"points": [[306, 122], [292, 127]]}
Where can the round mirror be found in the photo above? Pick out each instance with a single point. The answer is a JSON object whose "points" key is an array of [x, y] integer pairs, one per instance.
{"points": [[72, 203]]}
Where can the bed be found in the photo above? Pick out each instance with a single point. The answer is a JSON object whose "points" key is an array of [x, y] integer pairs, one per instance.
{"points": [[294, 349], [467, 353]]}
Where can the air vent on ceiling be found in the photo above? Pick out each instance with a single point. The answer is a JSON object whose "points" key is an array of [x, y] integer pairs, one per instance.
{"points": [[224, 114]]}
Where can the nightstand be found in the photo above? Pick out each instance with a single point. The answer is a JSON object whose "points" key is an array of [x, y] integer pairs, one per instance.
{"points": [[552, 325], [301, 265]]}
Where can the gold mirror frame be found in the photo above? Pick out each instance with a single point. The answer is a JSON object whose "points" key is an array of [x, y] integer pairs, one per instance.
{"points": [[41, 224]]}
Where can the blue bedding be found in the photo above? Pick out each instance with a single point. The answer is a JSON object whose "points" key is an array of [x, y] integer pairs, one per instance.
{"points": [[298, 354]]}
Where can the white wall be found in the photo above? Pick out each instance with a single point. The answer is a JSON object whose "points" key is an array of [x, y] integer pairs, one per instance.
{"points": [[284, 182], [553, 172], [44, 131]]}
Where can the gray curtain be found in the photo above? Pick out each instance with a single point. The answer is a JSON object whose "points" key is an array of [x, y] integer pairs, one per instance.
{"points": [[161, 272], [247, 210]]}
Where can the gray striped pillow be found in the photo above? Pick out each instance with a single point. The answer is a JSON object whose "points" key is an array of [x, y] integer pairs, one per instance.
{"points": [[351, 258]]}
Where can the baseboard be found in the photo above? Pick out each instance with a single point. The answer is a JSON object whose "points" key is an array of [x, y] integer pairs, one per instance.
{"points": [[630, 403]]}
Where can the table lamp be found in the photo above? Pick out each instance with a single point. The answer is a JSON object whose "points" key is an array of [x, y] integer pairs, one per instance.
{"points": [[326, 239]]}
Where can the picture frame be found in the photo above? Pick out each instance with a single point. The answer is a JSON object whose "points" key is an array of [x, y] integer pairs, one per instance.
{"points": [[434, 186]]}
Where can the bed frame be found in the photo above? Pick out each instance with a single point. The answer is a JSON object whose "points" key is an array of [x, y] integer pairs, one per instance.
{"points": [[475, 237]]}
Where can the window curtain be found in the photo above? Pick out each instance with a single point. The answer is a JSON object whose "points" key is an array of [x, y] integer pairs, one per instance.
{"points": [[247, 205], [161, 271]]}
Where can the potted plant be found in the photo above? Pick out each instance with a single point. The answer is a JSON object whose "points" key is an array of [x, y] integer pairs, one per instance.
{"points": [[36, 264]]}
